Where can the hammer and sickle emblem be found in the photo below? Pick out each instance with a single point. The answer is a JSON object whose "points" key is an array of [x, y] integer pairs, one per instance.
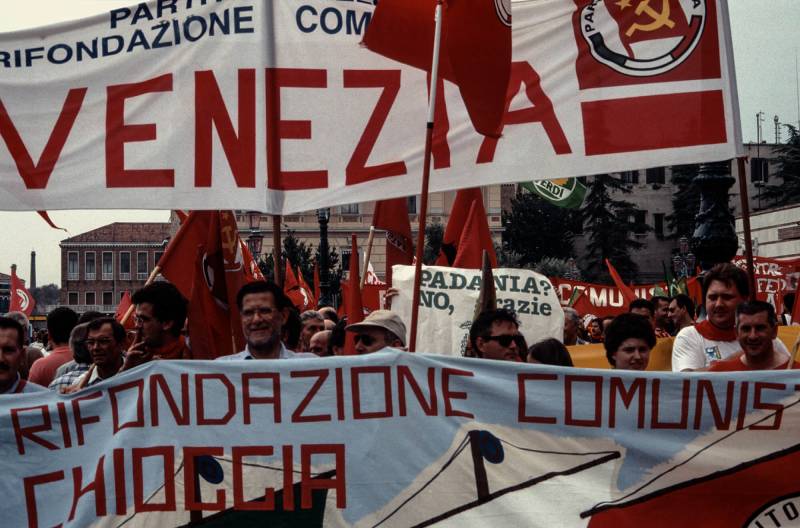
{"points": [[228, 239], [659, 19]]}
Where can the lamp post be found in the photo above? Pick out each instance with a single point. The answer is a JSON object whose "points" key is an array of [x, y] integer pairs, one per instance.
{"points": [[256, 236], [323, 216], [714, 238]]}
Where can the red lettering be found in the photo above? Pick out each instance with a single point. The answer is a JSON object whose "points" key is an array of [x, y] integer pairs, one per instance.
{"points": [[598, 401], [112, 394], [618, 387], [64, 422], [239, 502], [121, 501], [98, 486], [357, 170], [142, 502], [541, 112], [36, 176], [297, 415], [248, 400], [339, 394], [191, 482], [288, 478], [405, 376], [29, 432], [355, 374], [441, 126], [80, 421], [278, 129], [448, 395], [522, 414], [209, 109], [118, 133], [684, 419], [181, 416], [309, 484], [199, 391], [707, 387], [30, 483], [759, 405]]}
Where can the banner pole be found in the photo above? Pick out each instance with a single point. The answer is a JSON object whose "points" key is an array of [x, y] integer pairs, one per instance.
{"points": [[367, 256], [276, 249], [426, 172], [748, 243]]}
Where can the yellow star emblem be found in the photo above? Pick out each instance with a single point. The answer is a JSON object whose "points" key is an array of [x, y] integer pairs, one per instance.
{"points": [[623, 4]]}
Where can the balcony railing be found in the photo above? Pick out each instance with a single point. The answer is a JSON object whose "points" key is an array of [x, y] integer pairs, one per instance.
{"points": [[82, 308], [142, 276], [124, 276], [91, 276], [72, 275]]}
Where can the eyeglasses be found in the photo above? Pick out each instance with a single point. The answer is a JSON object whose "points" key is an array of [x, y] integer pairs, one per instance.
{"points": [[368, 340], [503, 340], [251, 312], [105, 341]]}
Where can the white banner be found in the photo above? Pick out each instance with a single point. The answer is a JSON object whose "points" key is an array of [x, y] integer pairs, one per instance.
{"points": [[448, 297], [274, 106]]}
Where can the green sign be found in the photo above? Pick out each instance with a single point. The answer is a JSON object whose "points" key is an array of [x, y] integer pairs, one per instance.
{"points": [[563, 192]]}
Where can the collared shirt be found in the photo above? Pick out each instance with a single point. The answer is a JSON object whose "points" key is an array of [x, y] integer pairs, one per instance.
{"points": [[284, 353], [21, 386], [69, 378]]}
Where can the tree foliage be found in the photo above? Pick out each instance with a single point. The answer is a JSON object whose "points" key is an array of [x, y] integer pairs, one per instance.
{"points": [[788, 191], [47, 294], [534, 229], [685, 201], [610, 226]]}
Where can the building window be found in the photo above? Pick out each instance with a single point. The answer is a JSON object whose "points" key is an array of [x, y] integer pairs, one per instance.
{"points": [[630, 177], [90, 265], [349, 209], [658, 225], [108, 265], [157, 256], [657, 175], [91, 298], [72, 298], [141, 265], [759, 170], [125, 265], [412, 205], [72, 266], [640, 218], [108, 299]]}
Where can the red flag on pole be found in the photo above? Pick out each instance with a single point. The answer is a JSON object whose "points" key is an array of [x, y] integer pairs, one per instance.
{"points": [[122, 308], [177, 262], [459, 213], [626, 291], [476, 49], [392, 215], [21, 298], [354, 308], [209, 322], [310, 298], [293, 289], [475, 238]]}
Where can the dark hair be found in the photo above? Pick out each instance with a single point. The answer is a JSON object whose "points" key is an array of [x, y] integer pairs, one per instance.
{"points": [[643, 303], [281, 300], [551, 352], [168, 304], [483, 325], [756, 307], [727, 274], [91, 315], [60, 323], [660, 298], [788, 302], [329, 314], [686, 302], [116, 328], [7, 322], [338, 336], [292, 329], [627, 326]]}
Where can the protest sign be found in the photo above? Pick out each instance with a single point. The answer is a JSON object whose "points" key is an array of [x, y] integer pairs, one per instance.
{"points": [[400, 439], [601, 299], [448, 297], [275, 106], [774, 278]]}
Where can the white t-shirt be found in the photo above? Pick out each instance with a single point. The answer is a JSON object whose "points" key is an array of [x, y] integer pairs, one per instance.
{"points": [[693, 351]]}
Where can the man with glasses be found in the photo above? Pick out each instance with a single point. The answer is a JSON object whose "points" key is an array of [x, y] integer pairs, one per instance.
{"points": [[264, 310], [495, 335], [378, 330]]}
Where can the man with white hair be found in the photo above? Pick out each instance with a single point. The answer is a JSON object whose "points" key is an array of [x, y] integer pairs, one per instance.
{"points": [[572, 324]]}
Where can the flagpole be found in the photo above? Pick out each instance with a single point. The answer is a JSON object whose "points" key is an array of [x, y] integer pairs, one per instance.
{"points": [[367, 255], [426, 172], [748, 244], [276, 249]]}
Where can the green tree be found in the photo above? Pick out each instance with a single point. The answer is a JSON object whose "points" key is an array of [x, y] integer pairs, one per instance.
{"points": [[534, 229], [610, 226], [685, 201], [45, 295], [788, 191]]}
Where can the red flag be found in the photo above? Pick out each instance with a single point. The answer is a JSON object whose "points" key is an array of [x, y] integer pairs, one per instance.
{"points": [[627, 292], [475, 237], [455, 224], [251, 269], [476, 49], [292, 289], [124, 305], [392, 215], [46, 218], [311, 300], [209, 321], [177, 262], [21, 298], [354, 308], [635, 24]]}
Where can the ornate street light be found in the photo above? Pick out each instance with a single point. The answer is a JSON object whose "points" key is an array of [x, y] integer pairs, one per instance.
{"points": [[323, 216], [256, 236]]}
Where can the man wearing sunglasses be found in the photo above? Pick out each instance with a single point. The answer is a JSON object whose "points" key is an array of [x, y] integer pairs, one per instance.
{"points": [[378, 330], [495, 335]]}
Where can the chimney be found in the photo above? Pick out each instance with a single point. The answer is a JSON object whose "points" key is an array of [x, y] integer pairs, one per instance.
{"points": [[33, 269]]}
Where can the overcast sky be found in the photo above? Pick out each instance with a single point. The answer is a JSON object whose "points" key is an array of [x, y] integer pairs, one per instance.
{"points": [[765, 50]]}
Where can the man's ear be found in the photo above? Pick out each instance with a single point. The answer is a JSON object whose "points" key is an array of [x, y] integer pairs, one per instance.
{"points": [[284, 316], [479, 342], [167, 325]]}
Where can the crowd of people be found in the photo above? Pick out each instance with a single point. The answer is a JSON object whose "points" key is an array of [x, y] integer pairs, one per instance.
{"points": [[736, 334]]}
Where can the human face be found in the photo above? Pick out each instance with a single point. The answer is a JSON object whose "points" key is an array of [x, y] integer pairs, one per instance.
{"points": [[662, 313], [318, 344], [755, 335], [632, 354], [494, 346], [152, 330], [310, 327], [721, 302], [105, 351], [570, 330], [10, 357], [676, 313], [594, 328], [262, 321], [370, 340]]}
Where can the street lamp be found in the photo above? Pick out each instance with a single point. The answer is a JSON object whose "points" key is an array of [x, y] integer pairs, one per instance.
{"points": [[256, 236], [323, 216], [683, 262]]}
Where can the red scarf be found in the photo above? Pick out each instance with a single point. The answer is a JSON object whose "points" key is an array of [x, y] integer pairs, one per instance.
{"points": [[175, 350], [712, 333]]}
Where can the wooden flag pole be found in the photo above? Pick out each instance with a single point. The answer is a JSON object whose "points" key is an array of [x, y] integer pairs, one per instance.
{"points": [[748, 243], [276, 249], [426, 173], [367, 256]]}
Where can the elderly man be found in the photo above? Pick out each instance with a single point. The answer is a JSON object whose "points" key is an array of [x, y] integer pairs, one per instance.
{"points": [[11, 356], [495, 335], [681, 312], [378, 330], [572, 325], [756, 329], [318, 344], [159, 317], [725, 287], [264, 309], [311, 322]]}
